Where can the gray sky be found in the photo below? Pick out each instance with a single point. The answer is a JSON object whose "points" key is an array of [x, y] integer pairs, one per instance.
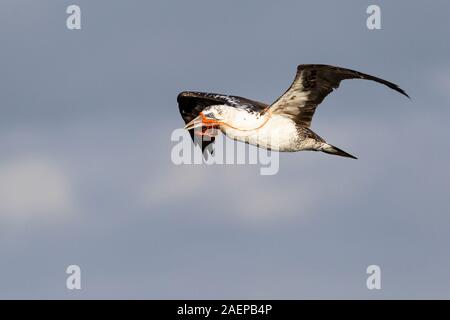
{"points": [[86, 176]]}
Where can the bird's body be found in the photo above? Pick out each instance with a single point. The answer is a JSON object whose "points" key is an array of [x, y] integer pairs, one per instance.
{"points": [[282, 126], [268, 131]]}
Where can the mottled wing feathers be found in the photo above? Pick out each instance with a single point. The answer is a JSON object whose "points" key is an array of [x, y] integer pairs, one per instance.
{"points": [[312, 83]]}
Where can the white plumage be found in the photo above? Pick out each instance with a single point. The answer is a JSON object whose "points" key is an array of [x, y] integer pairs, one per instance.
{"points": [[282, 126]]}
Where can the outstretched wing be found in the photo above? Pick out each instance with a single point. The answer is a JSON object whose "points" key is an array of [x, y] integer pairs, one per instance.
{"points": [[192, 103], [311, 85]]}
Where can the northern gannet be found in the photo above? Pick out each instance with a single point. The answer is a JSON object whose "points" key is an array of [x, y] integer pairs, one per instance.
{"points": [[282, 126]]}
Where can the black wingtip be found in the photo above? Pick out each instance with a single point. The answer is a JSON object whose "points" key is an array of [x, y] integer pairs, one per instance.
{"points": [[400, 90], [391, 85], [388, 84]]}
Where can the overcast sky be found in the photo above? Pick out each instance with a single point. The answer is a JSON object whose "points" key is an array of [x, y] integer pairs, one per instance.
{"points": [[86, 176]]}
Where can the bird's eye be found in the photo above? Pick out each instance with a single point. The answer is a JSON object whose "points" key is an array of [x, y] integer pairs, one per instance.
{"points": [[210, 115]]}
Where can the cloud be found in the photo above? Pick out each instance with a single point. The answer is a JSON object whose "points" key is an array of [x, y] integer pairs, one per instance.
{"points": [[33, 189], [233, 193]]}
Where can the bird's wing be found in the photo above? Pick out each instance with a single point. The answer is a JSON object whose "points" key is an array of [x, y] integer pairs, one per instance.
{"points": [[312, 83], [192, 103]]}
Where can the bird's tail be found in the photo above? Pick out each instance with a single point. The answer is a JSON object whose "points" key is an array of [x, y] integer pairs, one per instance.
{"points": [[328, 148]]}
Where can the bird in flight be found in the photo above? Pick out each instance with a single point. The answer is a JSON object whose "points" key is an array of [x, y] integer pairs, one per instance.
{"points": [[282, 126]]}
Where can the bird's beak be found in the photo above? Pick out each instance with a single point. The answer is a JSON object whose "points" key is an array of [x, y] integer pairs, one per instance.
{"points": [[196, 123]]}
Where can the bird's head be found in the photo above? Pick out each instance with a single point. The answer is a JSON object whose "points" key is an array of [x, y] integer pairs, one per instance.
{"points": [[210, 117]]}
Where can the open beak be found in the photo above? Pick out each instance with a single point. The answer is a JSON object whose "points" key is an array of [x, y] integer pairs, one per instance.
{"points": [[195, 123]]}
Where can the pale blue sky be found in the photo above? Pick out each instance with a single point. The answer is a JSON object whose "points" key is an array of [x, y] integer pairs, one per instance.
{"points": [[86, 176]]}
